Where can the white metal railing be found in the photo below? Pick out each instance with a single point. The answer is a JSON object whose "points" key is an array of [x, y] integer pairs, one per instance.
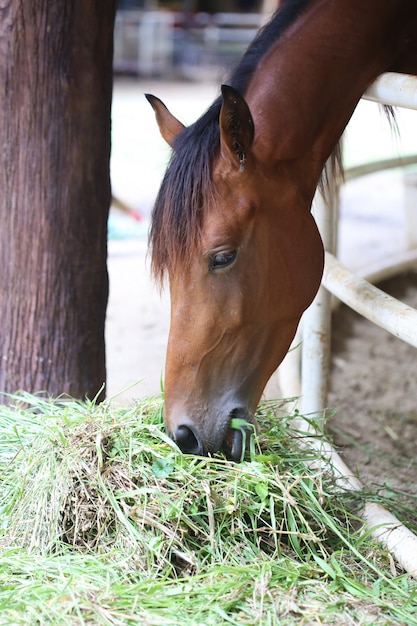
{"points": [[394, 316], [389, 313], [398, 90]]}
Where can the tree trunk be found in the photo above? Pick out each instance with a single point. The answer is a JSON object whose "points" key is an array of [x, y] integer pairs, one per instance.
{"points": [[56, 82]]}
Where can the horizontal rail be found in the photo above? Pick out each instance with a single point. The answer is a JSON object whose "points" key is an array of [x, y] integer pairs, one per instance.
{"points": [[378, 166], [398, 90], [397, 318]]}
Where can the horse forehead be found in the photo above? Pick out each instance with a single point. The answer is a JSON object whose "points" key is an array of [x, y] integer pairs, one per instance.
{"points": [[230, 224], [220, 227], [236, 216]]}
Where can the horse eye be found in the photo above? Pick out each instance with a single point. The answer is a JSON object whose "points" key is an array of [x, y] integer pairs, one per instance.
{"points": [[221, 259]]}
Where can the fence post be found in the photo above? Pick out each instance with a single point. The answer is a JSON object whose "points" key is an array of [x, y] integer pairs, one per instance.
{"points": [[316, 322], [410, 182]]}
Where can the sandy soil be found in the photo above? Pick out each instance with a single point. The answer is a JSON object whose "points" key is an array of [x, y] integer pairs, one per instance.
{"points": [[373, 382]]}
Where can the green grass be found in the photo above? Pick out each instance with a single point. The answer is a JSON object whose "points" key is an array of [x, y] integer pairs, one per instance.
{"points": [[103, 521]]}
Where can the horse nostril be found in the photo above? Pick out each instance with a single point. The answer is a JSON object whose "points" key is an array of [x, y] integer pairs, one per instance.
{"points": [[187, 441]]}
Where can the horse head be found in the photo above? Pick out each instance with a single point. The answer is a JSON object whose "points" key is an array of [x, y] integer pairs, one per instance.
{"points": [[244, 260]]}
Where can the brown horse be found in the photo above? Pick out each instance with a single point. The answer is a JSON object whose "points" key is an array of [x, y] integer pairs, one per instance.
{"points": [[232, 226]]}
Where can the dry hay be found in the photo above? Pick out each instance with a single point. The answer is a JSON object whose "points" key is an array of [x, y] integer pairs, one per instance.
{"points": [[103, 480], [104, 521]]}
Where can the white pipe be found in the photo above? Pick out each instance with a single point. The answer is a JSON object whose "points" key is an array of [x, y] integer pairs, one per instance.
{"points": [[289, 370], [392, 534], [410, 201], [383, 526], [378, 166], [397, 318], [385, 268], [398, 90], [316, 321]]}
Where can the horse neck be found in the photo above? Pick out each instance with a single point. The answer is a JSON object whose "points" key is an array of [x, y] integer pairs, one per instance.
{"points": [[306, 87]]}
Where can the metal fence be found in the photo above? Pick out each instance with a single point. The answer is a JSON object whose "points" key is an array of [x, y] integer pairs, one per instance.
{"points": [[358, 293]]}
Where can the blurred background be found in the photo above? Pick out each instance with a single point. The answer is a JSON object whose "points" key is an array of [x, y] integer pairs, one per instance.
{"points": [[188, 39], [181, 52]]}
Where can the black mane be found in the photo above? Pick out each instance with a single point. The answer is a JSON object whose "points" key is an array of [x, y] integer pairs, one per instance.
{"points": [[178, 212]]}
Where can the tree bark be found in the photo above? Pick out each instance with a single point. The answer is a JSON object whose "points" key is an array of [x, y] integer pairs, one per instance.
{"points": [[56, 84]]}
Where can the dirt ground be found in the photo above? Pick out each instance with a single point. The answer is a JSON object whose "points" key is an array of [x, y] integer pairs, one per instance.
{"points": [[373, 394]]}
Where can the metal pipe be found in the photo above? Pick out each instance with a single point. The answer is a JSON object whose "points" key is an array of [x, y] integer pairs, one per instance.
{"points": [[398, 90], [383, 525], [378, 166], [316, 322], [397, 318]]}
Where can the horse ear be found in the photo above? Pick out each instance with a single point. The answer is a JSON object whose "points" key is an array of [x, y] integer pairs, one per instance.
{"points": [[236, 126], [169, 126]]}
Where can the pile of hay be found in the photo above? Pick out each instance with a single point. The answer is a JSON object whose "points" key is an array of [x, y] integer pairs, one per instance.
{"points": [[101, 512], [94, 478]]}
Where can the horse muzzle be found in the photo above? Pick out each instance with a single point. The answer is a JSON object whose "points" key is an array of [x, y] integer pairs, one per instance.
{"points": [[232, 436]]}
